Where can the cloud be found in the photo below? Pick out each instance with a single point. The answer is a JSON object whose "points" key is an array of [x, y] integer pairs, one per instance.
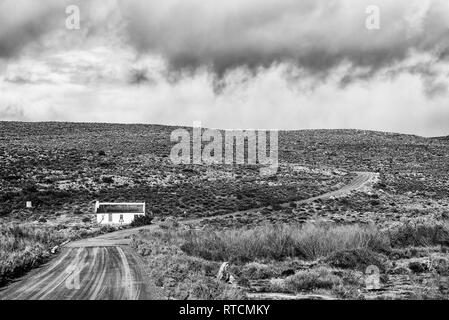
{"points": [[283, 64], [264, 100], [314, 34], [12, 112], [25, 21], [42, 24], [139, 76]]}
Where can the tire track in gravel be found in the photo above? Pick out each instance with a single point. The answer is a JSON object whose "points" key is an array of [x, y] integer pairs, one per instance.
{"points": [[103, 273]]}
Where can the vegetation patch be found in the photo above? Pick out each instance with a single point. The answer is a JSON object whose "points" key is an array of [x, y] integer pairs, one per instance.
{"points": [[178, 275], [312, 258], [140, 221], [420, 234], [357, 259], [306, 281], [277, 242]]}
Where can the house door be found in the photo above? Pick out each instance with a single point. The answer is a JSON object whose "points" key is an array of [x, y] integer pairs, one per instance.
{"points": [[110, 217]]}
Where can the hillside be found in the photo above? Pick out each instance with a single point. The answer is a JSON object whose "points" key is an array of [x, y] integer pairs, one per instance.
{"points": [[64, 167], [61, 166], [57, 164]]}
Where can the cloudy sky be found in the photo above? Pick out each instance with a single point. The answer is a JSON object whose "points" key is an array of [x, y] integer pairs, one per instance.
{"points": [[286, 64]]}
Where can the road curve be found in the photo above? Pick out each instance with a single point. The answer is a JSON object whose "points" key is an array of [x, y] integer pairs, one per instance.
{"points": [[359, 182], [106, 268], [362, 180]]}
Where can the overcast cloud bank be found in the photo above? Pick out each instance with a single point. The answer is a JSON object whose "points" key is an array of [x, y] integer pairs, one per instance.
{"points": [[283, 64]]}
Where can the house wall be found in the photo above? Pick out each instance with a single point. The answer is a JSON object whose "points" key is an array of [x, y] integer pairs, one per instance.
{"points": [[103, 218]]}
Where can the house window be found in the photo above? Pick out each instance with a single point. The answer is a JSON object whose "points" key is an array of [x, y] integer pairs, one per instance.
{"points": [[110, 217], [121, 218]]}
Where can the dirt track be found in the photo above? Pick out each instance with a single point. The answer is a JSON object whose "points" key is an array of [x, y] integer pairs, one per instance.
{"points": [[106, 268], [360, 181], [99, 273]]}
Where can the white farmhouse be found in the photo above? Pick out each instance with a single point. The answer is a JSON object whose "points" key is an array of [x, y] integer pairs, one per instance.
{"points": [[118, 213]]}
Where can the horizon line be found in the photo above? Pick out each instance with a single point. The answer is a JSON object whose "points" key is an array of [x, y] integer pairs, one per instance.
{"points": [[206, 127]]}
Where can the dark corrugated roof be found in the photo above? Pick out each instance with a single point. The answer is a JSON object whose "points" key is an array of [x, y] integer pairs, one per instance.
{"points": [[120, 208]]}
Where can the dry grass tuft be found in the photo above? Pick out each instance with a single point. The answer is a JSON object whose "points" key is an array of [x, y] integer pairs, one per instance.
{"points": [[308, 280], [310, 241], [420, 235], [22, 248]]}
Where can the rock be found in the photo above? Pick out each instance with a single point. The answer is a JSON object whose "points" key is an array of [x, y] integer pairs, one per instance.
{"points": [[222, 272], [224, 275]]}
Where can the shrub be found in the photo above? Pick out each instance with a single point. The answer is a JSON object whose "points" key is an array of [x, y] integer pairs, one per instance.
{"points": [[141, 221], [320, 278], [418, 266], [309, 280], [357, 259], [108, 180], [30, 188], [424, 234], [205, 288], [5, 209], [255, 270], [107, 229]]}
